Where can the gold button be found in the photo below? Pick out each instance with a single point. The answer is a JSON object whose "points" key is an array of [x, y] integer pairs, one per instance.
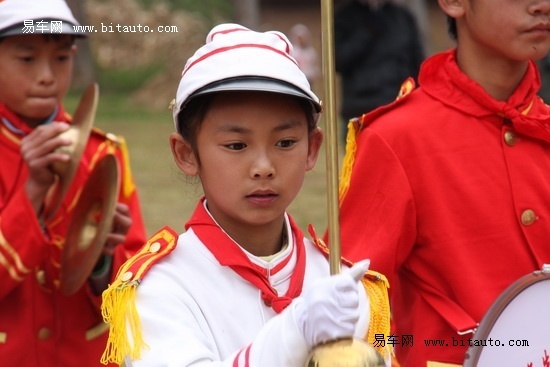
{"points": [[155, 247], [510, 138], [528, 217], [126, 276], [41, 277], [44, 333]]}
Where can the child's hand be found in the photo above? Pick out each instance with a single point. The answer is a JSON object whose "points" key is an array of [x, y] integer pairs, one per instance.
{"points": [[121, 225], [38, 149], [330, 308]]}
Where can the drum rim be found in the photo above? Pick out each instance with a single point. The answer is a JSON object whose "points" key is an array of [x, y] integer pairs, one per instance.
{"points": [[488, 321]]}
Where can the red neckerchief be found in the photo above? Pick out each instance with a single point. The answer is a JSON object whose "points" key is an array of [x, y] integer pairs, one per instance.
{"points": [[228, 253], [442, 79]]}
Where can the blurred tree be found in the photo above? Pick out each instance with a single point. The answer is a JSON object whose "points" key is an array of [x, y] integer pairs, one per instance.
{"points": [[84, 71]]}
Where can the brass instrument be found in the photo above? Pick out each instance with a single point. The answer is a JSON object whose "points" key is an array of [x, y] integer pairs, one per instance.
{"points": [[78, 133], [92, 217], [91, 222]]}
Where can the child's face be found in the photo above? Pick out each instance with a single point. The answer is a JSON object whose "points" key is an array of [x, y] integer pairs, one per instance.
{"points": [[517, 30], [35, 74], [254, 150]]}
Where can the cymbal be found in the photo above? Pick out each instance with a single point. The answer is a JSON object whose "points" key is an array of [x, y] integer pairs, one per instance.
{"points": [[91, 222], [78, 133]]}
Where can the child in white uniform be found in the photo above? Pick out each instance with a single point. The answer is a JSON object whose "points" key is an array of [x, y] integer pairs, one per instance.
{"points": [[242, 286]]}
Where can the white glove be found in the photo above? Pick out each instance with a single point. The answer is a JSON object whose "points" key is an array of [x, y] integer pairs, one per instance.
{"points": [[329, 309]]}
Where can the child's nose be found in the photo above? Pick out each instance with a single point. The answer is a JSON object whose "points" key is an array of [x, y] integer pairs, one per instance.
{"points": [[45, 73], [539, 7], [263, 166]]}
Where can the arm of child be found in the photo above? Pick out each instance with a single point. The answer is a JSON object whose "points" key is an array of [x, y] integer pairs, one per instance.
{"points": [[22, 234], [327, 310]]}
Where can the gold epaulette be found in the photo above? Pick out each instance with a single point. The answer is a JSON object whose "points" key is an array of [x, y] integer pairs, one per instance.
{"points": [[115, 139], [376, 285], [111, 144], [355, 125], [119, 307]]}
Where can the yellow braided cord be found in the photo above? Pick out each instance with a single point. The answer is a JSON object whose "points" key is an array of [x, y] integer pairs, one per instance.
{"points": [[119, 311], [119, 300], [349, 158], [128, 185], [377, 286]]}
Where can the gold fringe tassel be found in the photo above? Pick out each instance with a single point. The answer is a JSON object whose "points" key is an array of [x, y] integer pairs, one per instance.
{"points": [[128, 185], [119, 311], [349, 158], [377, 286]]}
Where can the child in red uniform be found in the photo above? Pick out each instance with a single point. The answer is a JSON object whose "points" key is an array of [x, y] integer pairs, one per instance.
{"points": [[40, 326], [448, 190]]}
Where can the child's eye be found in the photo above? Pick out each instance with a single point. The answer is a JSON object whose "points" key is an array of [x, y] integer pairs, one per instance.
{"points": [[63, 57], [287, 143], [236, 146], [26, 58]]}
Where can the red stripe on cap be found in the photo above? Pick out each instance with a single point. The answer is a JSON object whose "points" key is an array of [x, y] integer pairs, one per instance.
{"points": [[230, 48], [285, 41], [231, 30]]}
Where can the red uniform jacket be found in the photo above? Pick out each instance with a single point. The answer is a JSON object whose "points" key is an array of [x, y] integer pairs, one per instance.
{"points": [[450, 201], [39, 326]]}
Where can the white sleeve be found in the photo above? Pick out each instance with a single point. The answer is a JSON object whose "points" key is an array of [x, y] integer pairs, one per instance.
{"points": [[279, 343], [176, 336]]}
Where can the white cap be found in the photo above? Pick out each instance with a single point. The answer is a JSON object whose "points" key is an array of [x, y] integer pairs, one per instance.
{"points": [[14, 13], [236, 58]]}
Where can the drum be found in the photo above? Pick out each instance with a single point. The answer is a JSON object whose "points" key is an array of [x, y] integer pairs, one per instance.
{"points": [[515, 332]]}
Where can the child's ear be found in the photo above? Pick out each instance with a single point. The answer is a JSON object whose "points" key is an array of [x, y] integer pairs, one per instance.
{"points": [[315, 141], [453, 8], [183, 155]]}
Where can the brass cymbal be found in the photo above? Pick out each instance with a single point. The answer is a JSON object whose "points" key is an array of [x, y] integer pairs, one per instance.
{"points": [[348, 352], [78, 133], [91, 222]]}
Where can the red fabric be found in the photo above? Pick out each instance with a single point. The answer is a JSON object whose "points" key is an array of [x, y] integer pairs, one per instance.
{"points": [[228, 253], [26, 254], [436, 198]]}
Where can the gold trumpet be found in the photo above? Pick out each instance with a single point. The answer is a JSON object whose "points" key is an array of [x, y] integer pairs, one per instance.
{"points": [[347, 352]]}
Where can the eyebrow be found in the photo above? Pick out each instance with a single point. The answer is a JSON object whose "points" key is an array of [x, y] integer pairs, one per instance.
{"points": [[24, 47], [288, 125], [241, 130]]}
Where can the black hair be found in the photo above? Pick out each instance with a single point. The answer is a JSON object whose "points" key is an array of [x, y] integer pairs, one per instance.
{"points": [[189, 119]]}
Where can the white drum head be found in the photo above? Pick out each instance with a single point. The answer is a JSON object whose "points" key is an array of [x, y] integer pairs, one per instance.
{"points": [[515, 332]]}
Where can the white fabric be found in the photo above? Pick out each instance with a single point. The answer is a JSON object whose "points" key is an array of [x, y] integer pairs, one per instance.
{"points": [[232, 50], [195, 312], [329, 309], [13, 12]]}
